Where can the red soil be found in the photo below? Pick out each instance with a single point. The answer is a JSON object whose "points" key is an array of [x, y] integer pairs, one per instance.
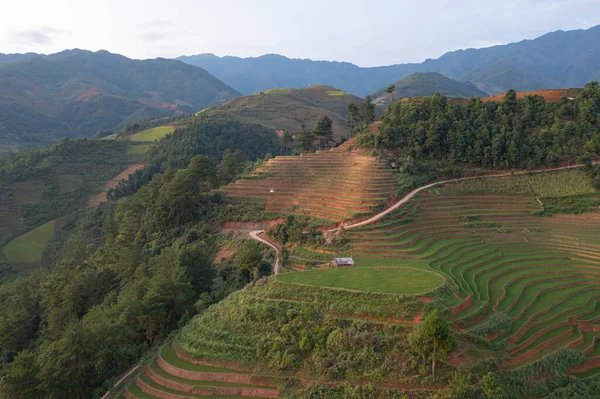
{"points": [[466, 303], [91, 92], [551, 95], [425, 299]]}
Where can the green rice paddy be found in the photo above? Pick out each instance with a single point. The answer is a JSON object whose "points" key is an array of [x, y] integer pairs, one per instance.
{"points": [[390, 280]]}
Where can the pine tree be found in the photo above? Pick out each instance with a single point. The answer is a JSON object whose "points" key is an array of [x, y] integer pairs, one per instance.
{"points": [[353, 116], [367, 111], [286, 139], [324, 131], [432, 340], [306, 141]]}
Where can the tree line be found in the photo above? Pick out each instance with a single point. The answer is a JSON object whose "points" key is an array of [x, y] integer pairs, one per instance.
{"points": [[322, 136], [515, 133]]}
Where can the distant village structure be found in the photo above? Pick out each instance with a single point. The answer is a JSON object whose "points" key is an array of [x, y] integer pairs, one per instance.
{"points": [[342, 262]]}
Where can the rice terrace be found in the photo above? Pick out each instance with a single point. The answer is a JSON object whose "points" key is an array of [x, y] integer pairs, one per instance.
{"points": [[271, 227], [514, 257]]}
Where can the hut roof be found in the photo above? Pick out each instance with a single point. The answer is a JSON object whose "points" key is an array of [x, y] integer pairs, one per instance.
{"points": [[343, 261]]}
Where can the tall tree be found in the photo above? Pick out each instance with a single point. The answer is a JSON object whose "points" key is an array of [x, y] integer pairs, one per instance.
{"points": [[432, 340], [306, 141], [231, 166], [324, 131], [490, 388], [367, 111], [390, 90], [353, 116], [249, 257], [286, 138]]}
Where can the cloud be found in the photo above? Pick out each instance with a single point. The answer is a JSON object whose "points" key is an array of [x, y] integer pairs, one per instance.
{"points": [[38, 37], [153, 36]]}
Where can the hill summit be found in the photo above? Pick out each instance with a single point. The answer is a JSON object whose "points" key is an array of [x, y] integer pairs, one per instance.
{"points": [[427, 84], [292, 109]]}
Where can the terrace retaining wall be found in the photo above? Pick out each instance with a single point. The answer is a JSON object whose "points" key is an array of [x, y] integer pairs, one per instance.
{"points": [[209, 390]]}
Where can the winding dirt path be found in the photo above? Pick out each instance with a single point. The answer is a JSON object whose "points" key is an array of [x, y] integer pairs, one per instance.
{"points": [[256, 235], [277, 268], [411, 195]]}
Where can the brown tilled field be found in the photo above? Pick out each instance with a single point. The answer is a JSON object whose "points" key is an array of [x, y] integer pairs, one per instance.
{"points": [[335, 185], [550, 95]]}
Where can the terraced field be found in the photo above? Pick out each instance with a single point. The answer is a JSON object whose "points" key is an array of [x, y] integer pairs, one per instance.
{"points": [[530, 282], [153, 134], [335, 185], [174, 374]]}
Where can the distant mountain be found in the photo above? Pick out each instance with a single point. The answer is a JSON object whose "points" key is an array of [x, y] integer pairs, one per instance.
{"points": [[78, 93], [291, 109], [9, 58], [555, 60], [427, 84], [254, 75]]}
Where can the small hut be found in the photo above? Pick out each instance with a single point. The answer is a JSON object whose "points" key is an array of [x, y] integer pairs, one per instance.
{"points": [[342, 262]]}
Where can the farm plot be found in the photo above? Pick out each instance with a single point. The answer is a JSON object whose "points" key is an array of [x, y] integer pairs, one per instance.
{"points": [[392, 280], [28, 248], [176, 374], [334, 185], [532, 283], [152, 134]]}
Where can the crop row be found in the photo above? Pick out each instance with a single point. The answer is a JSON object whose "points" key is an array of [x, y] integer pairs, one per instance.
{"points": [[541, 276]]}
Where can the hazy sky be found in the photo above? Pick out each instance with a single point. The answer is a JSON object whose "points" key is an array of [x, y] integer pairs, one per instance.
{"points": [[365, 32]]}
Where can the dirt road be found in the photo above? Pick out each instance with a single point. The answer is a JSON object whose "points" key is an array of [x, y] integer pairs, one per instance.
{"points": [[256, 235]]}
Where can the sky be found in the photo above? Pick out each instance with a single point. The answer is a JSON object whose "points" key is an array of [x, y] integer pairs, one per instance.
{"points": [[367, 33]]}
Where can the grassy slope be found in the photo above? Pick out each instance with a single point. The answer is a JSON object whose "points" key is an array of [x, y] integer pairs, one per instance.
{"points": [[288, 109], [152, 134], [47, 193], [427, 84], [28, 248]]}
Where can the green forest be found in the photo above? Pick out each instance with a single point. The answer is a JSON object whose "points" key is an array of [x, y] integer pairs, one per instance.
{"points": [[517, 133], [123, 275]]}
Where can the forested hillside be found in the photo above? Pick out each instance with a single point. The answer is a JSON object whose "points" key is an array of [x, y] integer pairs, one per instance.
{"points": [[78, 93], [555, 60], [122, 275], [517, 133], [39, 186]]}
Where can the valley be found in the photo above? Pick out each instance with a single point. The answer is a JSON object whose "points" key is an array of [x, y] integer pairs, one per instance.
{"points": [[272, 227]]}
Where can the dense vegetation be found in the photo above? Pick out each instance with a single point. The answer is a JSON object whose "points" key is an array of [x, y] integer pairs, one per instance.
{"points": [[546, 62], [210, 136], [41, 101], [127, 274], [518, 133]]}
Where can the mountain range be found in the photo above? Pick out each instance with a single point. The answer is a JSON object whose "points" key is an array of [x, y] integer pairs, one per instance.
{"points": [[555, 60], [79, 93]]}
